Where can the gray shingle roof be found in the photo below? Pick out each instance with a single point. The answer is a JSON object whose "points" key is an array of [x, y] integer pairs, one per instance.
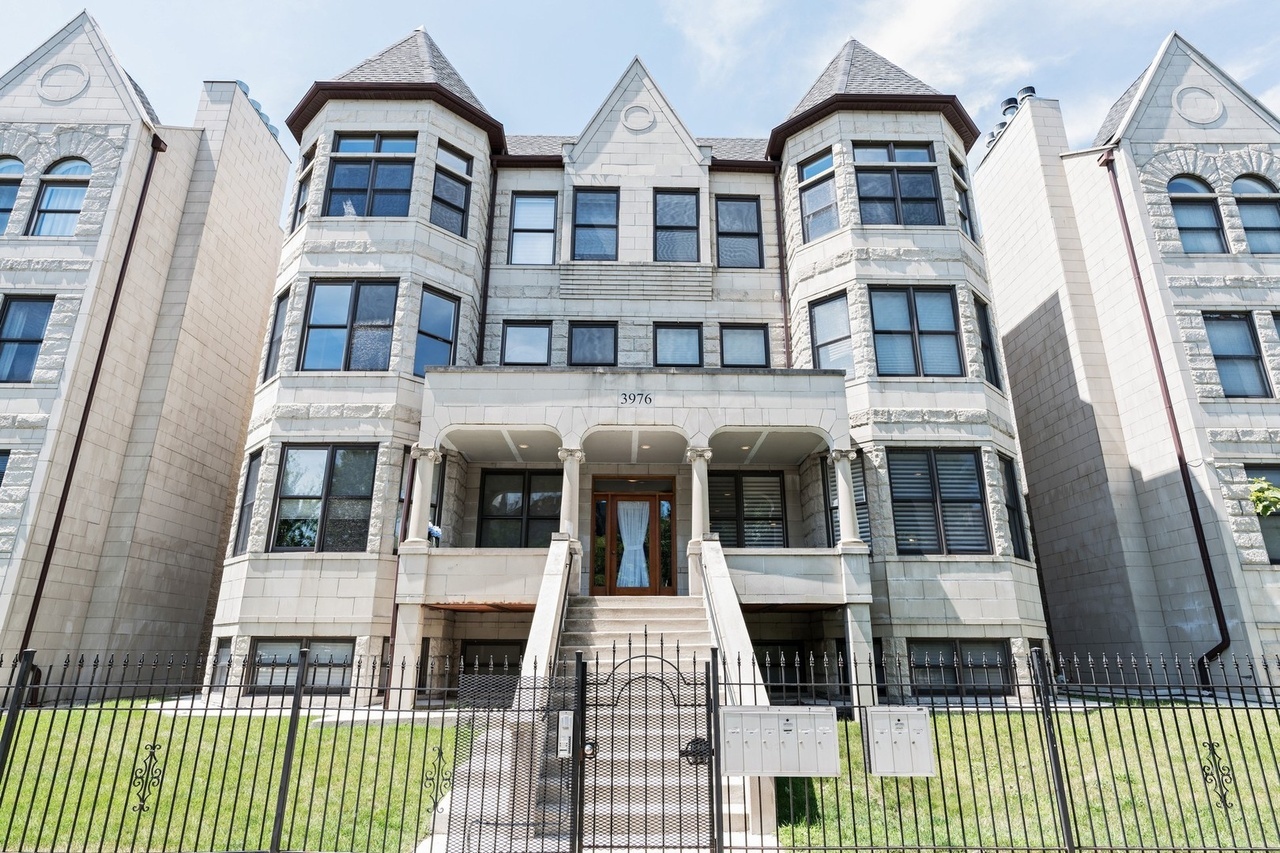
{"points": [[537, 146], [414, 59], [146, 102], [858, 70], [1115, 115], [722, 148]]}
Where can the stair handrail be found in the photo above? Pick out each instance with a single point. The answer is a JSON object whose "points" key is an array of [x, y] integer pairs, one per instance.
{"points": [[728, 628], [548, 612]]}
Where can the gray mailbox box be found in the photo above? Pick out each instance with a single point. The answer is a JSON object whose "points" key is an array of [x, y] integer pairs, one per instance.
{"points": [[757, 740], [897, 741]]}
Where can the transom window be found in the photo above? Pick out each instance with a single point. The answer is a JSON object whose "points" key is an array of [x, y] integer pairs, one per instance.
{"points": [[61, 197], [1195, 210], [349, 326], [22, 327], [595, 225], [10, 180], [593, 344], [832, 346], [303, 190], [451, 191], [675, 226], [324, 498], [747, 509], [526, 342], [915, 332], [271, 362], [1259, 205], [818, 212], [371, 185], [938, 502], [1235, 351], [677, 345], [533, 229], [986, 332], [897, 195], [1270, 523], [738, 243], [519, 509], [437, 331], [744, 346]]}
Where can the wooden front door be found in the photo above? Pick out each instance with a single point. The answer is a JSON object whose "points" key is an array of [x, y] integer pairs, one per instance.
{"points": [[633, 547]]}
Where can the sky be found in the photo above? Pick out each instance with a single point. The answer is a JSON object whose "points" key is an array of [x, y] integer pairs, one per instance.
{"points": [[729, 67]]}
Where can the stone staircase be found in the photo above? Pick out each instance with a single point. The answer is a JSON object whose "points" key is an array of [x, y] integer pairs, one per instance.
{"points": [[610, 630]]}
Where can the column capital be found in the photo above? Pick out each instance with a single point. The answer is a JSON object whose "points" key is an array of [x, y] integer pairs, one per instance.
{"points": [[693, 453], [431, 454], [839, 454], [574, 453]]}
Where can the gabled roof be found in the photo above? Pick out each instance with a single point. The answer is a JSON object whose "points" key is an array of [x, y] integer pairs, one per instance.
{"points": [[858, 78], [414, 59]]}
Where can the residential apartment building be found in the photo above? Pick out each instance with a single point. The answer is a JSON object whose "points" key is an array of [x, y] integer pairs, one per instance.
{"points": [[1139, 285], [761, 375], [135, 263]]}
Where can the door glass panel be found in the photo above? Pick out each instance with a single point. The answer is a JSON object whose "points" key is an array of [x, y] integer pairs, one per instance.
{"points": [[666, 570], [598, 543], [633, 544]]}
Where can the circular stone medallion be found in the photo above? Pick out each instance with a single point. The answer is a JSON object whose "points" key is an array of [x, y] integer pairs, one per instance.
{"points": [[1196, 104], [638, 117], [63, 82]]}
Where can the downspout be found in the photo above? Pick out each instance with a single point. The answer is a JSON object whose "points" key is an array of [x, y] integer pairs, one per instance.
{"points": [[1108, 159], [783, 284], [157, 147], [487, 262]]}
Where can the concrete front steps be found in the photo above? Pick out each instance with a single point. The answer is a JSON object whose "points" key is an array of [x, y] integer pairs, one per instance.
{"points": [[638, 630]]}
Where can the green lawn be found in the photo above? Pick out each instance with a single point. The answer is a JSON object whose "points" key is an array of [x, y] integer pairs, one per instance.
{"points": [[86, 779]]}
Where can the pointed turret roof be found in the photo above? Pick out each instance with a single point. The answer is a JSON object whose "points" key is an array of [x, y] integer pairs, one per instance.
{"points": [[414, 59], [859, 78]]}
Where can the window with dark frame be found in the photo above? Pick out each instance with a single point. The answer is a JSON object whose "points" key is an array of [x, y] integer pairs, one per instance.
{"points": [[533, 229], [1013, 508], [248, 496], [303, 189], [744, 346], [595, 225], [275, 664], [1270, 524], [831, 337], [986, 334], [324, 498], [23, 322], [349, 325], [747, 509], [519, 509], [818, 212], [526, 342], [437, 331], [959, 667], [61, 198], [939, 503], [861, 507], [899, 192], [964, 204], [1234, 344], [915, 331], [593, 344], [675, 226], [1259, 206], [4, 465], [11, 169], [739, 243], [677, 345], [370, 174], [1195, 212], [271, 364], [451, 191]]}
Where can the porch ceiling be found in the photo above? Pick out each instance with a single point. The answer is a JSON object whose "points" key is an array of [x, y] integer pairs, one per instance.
{"points": [[629, 446], [763, 446], [504, 444]]}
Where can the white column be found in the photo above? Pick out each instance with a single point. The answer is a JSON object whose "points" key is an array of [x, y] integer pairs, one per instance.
{"points": [[699, 458], [424, 477], [843, 460], [572, 458]]}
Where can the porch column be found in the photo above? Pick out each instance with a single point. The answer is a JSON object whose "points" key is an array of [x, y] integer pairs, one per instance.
{"points": [[843, 460], [572, 458], [699, 458], [424, 476]]}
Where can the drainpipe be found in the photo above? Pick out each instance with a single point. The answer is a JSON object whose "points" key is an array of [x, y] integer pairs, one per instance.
{"points": [[783, 286], [487, 262], [1108, 159], [157, 147]]}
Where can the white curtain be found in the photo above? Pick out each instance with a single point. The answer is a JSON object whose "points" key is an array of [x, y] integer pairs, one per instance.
{"points": [[633, 526]]}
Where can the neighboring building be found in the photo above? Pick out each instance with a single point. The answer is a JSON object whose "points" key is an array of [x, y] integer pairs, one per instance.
{"points": [[1196, 166], [588, 352], [135, 264]]}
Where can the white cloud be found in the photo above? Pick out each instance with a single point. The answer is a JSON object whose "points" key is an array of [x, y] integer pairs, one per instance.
{"points": [[719, 31]]}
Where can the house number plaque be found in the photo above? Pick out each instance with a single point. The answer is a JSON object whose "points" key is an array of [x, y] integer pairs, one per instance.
{"points": [[635, 398]]}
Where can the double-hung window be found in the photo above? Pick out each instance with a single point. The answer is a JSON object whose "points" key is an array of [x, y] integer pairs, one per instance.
{"points": [[437, 331], [832, 340], [818, 213], [677, 345], [959, 667], [1013, 509], [519, 509], [675, 226], [303, 190], [451, 191], [744, 346], [593, 344], [349, 326], [897, 183], [244, 521], [747, 509], [1259, 206], [986, 333], [738, 232], [938, 502], [329, 663], [1270, 523], [915, 332], [61, 196], [22, 327], [10, 180], [595, 225], [861, 508], [533, 229], [964, 203], [1195, 211], [370, 174], [271, 363], [526, 342], [324, 498], [1235, 351]]}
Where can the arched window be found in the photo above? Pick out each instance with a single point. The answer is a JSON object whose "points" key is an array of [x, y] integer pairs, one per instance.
{"points": [[10, 177], [1259, 205], [1195, 209], [61, 196]]}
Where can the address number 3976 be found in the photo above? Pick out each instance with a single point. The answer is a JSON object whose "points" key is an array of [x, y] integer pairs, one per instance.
{"points": [[638, 398]]}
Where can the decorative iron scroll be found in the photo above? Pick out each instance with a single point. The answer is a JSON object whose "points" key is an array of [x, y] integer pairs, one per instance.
{"points": [[437, 779], [147, 776], [1217, 774]]}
